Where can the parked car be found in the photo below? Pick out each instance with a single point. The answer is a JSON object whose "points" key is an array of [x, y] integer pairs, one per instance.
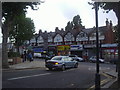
{"points": [[75, 57], [37, 55], [61, 62], [93, 59]]}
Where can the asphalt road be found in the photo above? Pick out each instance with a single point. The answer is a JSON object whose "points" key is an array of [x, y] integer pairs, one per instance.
{"points": [[81, 77]]}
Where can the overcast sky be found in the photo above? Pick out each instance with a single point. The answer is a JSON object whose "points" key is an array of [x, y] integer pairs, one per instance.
{"points": [[56, 13]]}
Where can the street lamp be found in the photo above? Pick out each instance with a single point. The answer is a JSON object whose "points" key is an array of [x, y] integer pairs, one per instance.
{"points": [[97, 75]]}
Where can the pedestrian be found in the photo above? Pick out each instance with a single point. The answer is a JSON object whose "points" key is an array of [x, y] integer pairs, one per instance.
{"points": [[24, 56], [30, 56]]}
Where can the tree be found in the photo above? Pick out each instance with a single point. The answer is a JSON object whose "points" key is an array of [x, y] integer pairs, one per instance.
{"points": [[69, 26], [77, 21], [23, 29], [9, 11], [115, 6]]}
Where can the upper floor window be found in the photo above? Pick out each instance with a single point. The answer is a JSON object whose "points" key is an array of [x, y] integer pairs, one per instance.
{"points": [[50, 39], [40, 39], [69, 37], [100, 35], [82, 37], [33, 40], [58, 38]]}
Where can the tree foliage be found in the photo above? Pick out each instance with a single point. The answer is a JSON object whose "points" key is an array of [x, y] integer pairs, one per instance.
{"points": [[75, 23], [11, 10], [22, 29], [69, 26], [107, 6]]}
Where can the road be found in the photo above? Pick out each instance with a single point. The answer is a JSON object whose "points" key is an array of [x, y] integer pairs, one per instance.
{"points": [[81, 77]]}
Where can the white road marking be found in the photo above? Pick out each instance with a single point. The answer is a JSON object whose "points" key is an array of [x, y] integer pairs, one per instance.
{"points": [[94, 68], [29, 76]]}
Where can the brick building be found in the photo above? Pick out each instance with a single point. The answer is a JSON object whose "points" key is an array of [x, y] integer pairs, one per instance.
{"points": [[77, 41]]}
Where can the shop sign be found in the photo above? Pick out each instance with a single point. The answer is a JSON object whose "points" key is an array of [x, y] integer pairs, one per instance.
{"points": [[63, 47], [89, 46], [76, 47], [38, 49]]}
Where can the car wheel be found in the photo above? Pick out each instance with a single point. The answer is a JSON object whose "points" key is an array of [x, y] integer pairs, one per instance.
{"points": [[63, 68], [76, 65]]}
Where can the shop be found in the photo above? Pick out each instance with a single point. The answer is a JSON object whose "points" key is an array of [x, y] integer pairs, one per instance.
{"points": [[63, 49], [89, 50], [109, 51], [52, 50], [76, 50]]}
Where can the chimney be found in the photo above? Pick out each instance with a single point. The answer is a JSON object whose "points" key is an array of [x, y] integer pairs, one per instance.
{"points": [[110, 23], [107, 22], [56, 29]]}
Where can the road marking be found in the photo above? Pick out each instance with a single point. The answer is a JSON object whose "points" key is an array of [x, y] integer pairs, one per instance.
{"points": [[94, 68], [102, 82], [29, 76]]}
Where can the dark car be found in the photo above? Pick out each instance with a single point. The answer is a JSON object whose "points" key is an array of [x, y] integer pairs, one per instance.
{"points": [[75, 57], [61, 62]]}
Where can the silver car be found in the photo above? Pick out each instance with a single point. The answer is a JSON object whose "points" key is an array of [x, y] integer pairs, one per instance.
{"points": [[61, 62], [93, 59]]}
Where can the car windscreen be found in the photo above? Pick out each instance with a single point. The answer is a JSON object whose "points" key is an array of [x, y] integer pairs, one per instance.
{"points": [[56, 58]]}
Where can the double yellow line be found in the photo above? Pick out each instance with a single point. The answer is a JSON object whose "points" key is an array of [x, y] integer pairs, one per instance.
{"points": [[102, 82]]}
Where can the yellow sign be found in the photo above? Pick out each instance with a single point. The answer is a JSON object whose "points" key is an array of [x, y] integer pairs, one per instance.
{"points": [[63, 47]]}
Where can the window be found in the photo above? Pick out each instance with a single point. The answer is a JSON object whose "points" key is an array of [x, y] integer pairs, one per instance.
{"points": [[82, 37], [40, 39], [58, 38], [69, 37], [57, 58]]}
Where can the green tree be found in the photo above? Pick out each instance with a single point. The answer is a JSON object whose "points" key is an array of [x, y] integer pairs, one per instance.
{"points": [[23, 29], [69, 26], [77, 21], [9, 11]]}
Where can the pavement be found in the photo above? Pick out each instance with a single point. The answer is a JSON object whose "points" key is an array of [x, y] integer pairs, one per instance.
{"points": [[27, 65], [41, 64]]}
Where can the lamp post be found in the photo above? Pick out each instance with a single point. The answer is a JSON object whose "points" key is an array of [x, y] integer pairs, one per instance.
{"points": [[97, 75]]}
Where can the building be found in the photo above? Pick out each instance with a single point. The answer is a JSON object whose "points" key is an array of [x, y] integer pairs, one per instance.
{"points": [[81, 42]]}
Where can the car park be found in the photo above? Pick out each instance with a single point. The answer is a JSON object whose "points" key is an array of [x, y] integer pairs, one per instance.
{"points": [[61, 62], [93, 59], [75, 57]]}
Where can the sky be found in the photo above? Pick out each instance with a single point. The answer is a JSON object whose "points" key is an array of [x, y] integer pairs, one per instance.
{"points": [[56, 13]]}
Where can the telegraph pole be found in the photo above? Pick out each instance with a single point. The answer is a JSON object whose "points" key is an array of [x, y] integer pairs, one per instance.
{"points": [[118, 63], [97, 75]]}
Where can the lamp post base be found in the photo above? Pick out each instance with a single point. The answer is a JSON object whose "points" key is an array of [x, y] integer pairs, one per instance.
{"points": [[97, 81]]}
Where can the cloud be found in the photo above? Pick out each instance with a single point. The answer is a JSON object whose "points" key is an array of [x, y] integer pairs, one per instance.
{"points": [[56, 13]]}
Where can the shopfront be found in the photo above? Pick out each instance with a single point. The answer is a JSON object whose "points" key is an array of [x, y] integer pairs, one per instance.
{"points": [[63, 49], [109, 51], [52, 50], [76, 50]]}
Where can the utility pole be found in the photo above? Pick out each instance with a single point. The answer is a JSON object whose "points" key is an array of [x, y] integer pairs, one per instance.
{"points": [[118, 63], [97, 75]]}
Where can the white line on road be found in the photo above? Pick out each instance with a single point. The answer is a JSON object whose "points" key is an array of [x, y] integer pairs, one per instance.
{"points": [[29, 76]]}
